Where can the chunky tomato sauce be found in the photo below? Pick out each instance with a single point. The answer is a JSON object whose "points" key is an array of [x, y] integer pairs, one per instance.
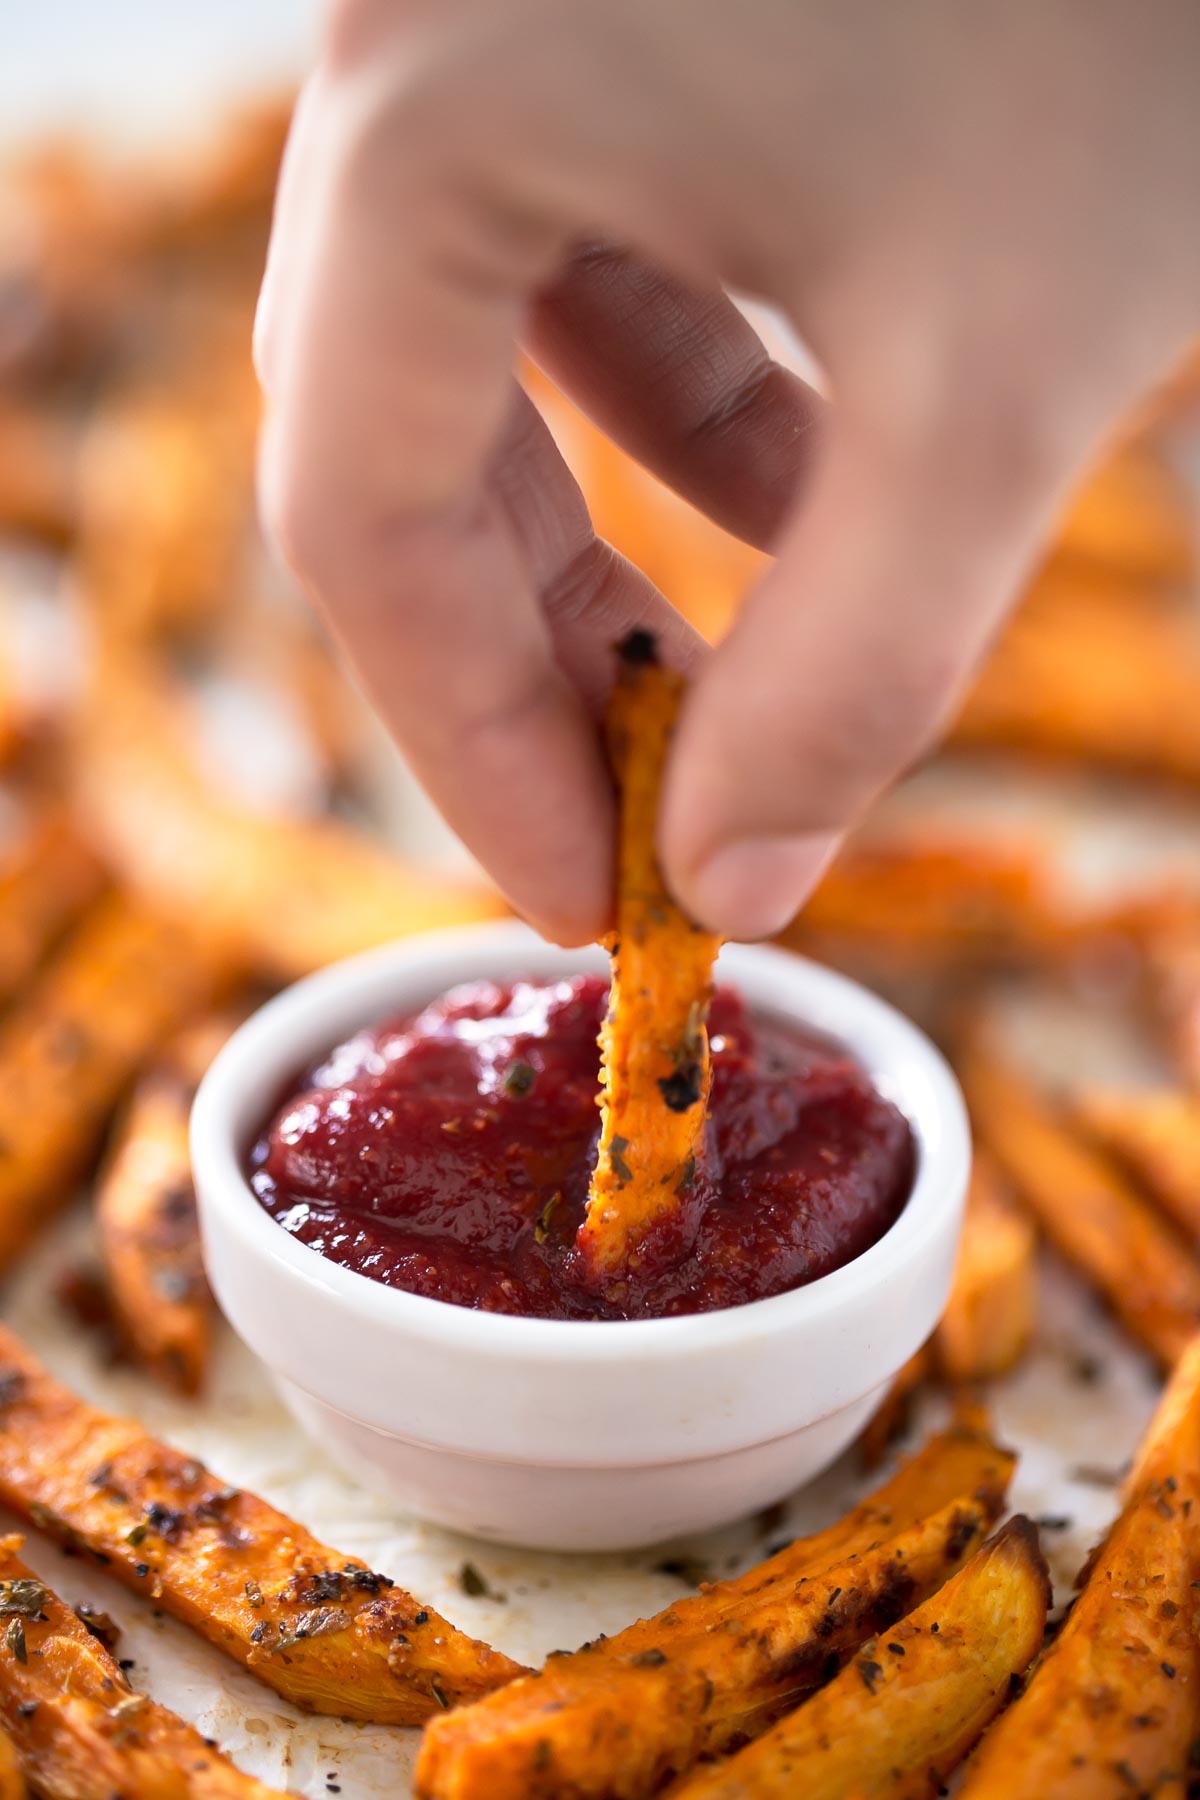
{"points": [[448, 1152]]}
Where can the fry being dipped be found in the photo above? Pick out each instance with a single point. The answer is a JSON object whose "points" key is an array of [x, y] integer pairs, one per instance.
{"points": [[656, 1067]]}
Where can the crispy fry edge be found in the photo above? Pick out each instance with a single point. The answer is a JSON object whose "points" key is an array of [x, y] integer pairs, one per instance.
{"points": [[656, 1069]]}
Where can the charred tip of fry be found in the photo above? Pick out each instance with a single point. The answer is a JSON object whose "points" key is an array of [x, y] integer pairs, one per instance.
{"points": [[1021, 1537], [638, 649]]}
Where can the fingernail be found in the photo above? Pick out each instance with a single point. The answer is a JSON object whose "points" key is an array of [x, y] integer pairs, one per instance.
{"points": [[753, 887]]}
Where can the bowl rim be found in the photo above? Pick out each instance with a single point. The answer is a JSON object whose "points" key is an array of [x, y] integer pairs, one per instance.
{"points": [[902, 1061]]}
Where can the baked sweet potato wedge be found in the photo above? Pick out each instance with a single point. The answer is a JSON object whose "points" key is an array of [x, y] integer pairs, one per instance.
{"points": [[45, 885], [932, 902], [988, 1319], [79, 1729], [1156, 1136], [317, 1626], [1083, 675], [289, 894], [150, 1240], [12, 1782], [124, 979], [1113, 1708], [904, 1713], [165, 486], [1131, 520], [891, 1417], [617, 1718], [149, 1235], [38, 496], [1144, 1269], [656, 1071]]}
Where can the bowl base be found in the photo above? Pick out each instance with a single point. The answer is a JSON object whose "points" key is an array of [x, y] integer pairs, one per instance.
{"points": [[544, 1507]]}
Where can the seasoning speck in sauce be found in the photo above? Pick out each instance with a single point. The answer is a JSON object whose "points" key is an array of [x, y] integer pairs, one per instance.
{"points": [[449, 1152]]}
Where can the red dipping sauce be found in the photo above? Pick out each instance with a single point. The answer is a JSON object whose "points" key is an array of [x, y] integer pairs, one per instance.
{"points": [[449, 1152]]}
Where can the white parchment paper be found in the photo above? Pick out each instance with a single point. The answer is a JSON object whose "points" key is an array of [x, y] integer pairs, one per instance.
{"points": [[1074, 1410]]}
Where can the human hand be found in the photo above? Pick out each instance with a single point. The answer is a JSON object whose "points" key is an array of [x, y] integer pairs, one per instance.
{"points": [[982, 220]]}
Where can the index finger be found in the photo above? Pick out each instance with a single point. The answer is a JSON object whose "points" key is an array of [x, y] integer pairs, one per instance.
{"points": [[472, 601], [388, 378]]}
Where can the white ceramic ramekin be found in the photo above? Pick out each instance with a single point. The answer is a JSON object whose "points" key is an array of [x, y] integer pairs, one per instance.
{"points": [[561, 1434]]}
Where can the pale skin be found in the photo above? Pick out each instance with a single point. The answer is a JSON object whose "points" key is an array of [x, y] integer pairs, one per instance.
{"points": [[984, 221]]}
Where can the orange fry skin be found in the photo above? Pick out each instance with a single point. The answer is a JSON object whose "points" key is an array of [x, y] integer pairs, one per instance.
{"points": [[1112, 1709], [146, 1221], [932, 900], [988, 1320], [310, 1622], [1083, 675], [1131, 518], [655, 1063], [1143, 1268], [1156, 1136], [149, 1238], [47, 882], [70, 1047], [904, 1713], [79, 1730], [989, 1316], [290, 894], [12, 1782], [617, 1718]]}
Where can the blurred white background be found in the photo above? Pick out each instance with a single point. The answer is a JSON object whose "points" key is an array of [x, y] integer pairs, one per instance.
{"points": [[141, 69]]}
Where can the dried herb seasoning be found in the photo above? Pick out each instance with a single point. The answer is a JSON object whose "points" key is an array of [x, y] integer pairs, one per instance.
{"points": [[23, 1598], [518, 1080]]}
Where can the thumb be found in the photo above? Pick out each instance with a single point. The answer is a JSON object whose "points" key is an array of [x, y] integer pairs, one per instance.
{"points": [[842, 669]]}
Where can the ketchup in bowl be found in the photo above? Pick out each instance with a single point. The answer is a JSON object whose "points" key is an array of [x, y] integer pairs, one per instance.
{"points": [[448, 1152]]}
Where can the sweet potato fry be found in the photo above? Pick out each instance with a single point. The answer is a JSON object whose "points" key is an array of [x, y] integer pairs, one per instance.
{"points": [[165, 490], [1131, 519], [655, 1066], [12, 1782], [618, 1717], [890, 1418], [989, 1315], [146, 1216], [1083, 675], [1167, 931], [69, 1049], [1156, 1136], [63, 265], [150, 1241], [932, 901], [313, 1624], [290, 894], [905, 1712], [38, 493], [988, 1319], [80, 1730], [1112, 1709], [50, 878], [1143, 1268], [229, 188]]}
